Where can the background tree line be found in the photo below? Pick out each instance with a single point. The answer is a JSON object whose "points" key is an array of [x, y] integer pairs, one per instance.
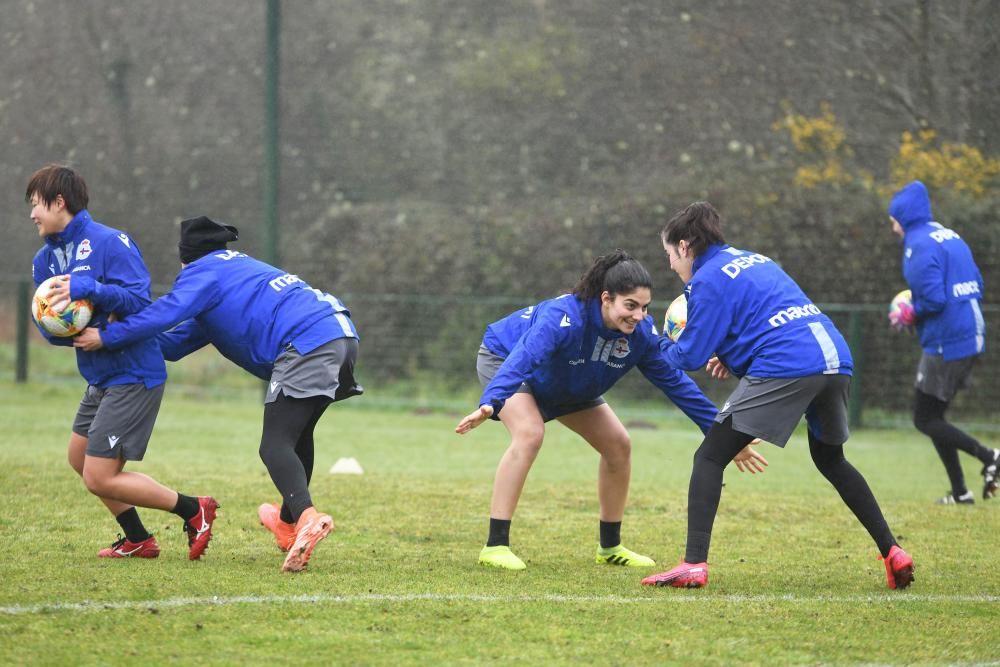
{"points": [[486, 148]]}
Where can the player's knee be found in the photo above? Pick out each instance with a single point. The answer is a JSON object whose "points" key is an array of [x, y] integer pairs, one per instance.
{"points": [[527, 443], [619, 450], [825, 456], [711, 453], [75, 462], [923, 422], [97, 484]]}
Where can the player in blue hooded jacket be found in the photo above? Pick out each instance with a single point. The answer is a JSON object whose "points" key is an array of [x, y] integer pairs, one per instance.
{"points": [[275, 326], [554, 360], [947, 290], [791, 361], [124, 388]]}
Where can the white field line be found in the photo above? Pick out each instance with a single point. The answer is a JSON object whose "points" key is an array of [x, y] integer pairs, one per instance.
{"points": [[404, 598]]}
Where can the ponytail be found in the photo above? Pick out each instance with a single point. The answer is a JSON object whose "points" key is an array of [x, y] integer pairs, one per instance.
{"points": [[614, 273]]}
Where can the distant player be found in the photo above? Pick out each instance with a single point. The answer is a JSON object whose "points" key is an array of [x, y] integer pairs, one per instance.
{"points": [[791, 361], [947, 291], [275, 326], [124, 388], [554, 360]]}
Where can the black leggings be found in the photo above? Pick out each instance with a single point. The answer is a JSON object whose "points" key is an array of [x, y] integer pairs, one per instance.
{"points": [[286, 448], [928, 417], [723, 443]]}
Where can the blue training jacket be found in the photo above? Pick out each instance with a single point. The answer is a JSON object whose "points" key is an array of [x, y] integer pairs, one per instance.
{"points": [[946, 284], [563, 351], [744, 308], [106, 267], [249, 310]]}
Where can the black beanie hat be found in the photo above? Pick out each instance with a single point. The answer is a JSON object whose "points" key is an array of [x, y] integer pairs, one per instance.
{"points": [[200, 236]]}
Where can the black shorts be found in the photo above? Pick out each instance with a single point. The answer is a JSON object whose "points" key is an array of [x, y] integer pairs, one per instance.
{"points": [[770, 408], [942, 379], [118, 421], [487, 365], [326, 371]]}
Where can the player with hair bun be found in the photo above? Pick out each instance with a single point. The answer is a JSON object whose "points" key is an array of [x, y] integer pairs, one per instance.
{"points": [[275, 326], [554, 360], [790, 359]]}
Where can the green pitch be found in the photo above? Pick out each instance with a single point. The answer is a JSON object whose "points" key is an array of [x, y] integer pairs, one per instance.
{"points": [[794, 578]]}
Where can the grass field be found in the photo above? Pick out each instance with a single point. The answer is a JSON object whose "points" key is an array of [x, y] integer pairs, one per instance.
{"points": [[794, 578]]}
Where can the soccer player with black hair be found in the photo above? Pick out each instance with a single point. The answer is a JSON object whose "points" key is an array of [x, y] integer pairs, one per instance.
{"points": [[791, 360], [125, 387], [275, 326], [947, 290], [554, 360]]}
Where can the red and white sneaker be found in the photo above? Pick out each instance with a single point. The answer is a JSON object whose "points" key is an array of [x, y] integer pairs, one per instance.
{"points": [[199, 527], [685, 575], [898, 568], [270, 517], [311, 528], [148, 548]]}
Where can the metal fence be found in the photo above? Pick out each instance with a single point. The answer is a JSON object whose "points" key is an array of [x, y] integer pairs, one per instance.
{"points": [[419, 349]]}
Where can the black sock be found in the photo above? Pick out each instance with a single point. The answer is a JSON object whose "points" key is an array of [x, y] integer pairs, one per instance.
{"points": [[186, 507], [499, 533], [132, 526], [611, 534]]}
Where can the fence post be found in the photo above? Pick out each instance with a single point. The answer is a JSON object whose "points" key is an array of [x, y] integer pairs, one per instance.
{"points": [[856, 342], [23, 305]]}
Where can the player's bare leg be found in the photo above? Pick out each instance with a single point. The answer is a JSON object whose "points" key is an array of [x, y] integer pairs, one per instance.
{"points": [[75, 454], [527, 429], [602, 429]]}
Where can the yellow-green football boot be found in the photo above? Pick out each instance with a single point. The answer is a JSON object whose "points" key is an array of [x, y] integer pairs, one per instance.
{"points": [[619, 555], [500, 556]]}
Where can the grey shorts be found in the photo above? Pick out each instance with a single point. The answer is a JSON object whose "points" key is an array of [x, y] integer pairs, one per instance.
{"points": [[770, 408], [942, 379], [487, 365], [326, 371], [118, 421]]}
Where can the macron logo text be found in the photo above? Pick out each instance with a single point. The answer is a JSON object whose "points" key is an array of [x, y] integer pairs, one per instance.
{"points": [[284, 281], [965, 289], [793, 313]]}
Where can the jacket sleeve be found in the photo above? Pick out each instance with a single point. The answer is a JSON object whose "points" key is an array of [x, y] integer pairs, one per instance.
{"points": [[709, 318], [125, 289], [39, 274], [182, 340], [679, 388], [925, 276], [194, 291], [533, 349]]}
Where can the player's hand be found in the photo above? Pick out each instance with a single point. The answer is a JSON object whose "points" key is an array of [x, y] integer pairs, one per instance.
{"points": [[750, 460], [88, 340], [716, 369], [475, 419], [59, 292], [905, 316]]}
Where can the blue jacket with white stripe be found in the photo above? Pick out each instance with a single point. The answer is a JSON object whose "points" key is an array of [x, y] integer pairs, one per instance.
{"points": [[563, 351], [946, 284], [249, 310], [105, 266], [744, 308]]}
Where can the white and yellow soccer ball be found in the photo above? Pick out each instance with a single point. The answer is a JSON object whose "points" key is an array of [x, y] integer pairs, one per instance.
{"points": [[901, 300], [63, 319], [676, 318]]}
